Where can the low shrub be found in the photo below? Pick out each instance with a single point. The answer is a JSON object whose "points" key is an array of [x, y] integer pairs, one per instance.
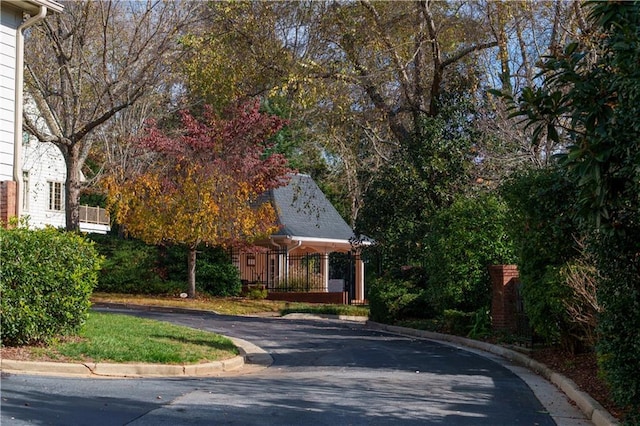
{"points": [[298, 281], [457, 322], [544, 302], [400, 295], [257, 293], [480, 324], [131, 267], [218, 279], [46, 279]]}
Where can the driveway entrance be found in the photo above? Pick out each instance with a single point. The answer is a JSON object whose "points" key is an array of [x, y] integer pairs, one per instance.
{"points": [[324, 373]]}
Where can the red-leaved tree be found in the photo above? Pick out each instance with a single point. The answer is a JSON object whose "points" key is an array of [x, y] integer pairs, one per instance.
{"points": [[201, 182]]}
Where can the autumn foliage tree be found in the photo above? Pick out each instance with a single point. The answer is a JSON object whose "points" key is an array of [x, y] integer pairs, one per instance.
{"points": [[202, 182]]}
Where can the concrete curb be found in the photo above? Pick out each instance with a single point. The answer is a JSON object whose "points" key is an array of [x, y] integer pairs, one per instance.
{"points": [[42, 367], [120, 370], [252, 354], [591, 408]]}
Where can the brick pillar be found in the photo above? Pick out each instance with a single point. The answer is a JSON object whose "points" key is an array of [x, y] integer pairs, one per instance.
{"points": [[7, 201], [504, 279]]}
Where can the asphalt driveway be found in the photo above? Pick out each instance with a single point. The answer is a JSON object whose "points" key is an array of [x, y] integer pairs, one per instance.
{"points": [[324, 372]]}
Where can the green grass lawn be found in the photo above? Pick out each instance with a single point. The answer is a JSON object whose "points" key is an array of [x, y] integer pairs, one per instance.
{"points": [[231, 305], [221, 305], [123, 338]]}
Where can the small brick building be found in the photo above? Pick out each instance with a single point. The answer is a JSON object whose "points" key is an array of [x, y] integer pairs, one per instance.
{"points": [[301, 256]]}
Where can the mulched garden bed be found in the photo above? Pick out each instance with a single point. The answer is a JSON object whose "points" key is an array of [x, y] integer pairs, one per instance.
{"points": [[583, 370]]}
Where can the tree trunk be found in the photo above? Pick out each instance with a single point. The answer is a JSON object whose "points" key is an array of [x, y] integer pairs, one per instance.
{"points": [[436, 58], [191, 272], [72, 187], [503, 47]]}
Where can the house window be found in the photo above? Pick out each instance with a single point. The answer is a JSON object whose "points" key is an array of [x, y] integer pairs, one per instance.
{"points": [[55, 196], [251, 259], [25, 191]]}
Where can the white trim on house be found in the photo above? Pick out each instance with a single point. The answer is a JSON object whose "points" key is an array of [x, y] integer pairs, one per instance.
{"points": [[315, 242], [15, 17], [10, 19]]}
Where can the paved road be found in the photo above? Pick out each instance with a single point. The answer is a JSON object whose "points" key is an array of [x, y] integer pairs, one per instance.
{"points": [[324, 373]]}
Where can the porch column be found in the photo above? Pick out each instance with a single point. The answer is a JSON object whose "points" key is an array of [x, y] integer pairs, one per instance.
{"points": [[359, 265], [282, 268], [324, 271]]}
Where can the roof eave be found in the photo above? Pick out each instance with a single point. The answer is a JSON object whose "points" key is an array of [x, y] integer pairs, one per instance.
{"points": [[323, 241], [33, 6]]}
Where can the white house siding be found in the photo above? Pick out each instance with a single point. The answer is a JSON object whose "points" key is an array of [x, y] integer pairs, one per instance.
{"points": [[43, 162], [43, 166], [10, 19]]}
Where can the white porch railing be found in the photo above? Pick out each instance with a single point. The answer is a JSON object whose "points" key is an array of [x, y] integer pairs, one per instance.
{"points": [[95, 215]]}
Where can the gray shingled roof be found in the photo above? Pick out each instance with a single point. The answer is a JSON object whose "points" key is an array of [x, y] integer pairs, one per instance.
{"points": [[304, 211]]}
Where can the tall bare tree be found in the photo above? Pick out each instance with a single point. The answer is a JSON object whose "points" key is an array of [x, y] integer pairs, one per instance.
{"points": [[92, 62], [527, 31]]}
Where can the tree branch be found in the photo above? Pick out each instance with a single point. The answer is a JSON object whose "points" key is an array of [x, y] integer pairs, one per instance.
{"points": [[464, 52]]}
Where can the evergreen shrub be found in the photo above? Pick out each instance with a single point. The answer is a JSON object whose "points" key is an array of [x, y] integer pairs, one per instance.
{"points": [[131, 267], [398, 295], [215, 274], [619, 322], [134, 267], [463, 240], [546, 235], [46, 279]]}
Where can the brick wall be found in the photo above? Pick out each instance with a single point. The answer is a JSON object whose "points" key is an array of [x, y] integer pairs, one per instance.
{"points": [[504, 279], [7, 200]]}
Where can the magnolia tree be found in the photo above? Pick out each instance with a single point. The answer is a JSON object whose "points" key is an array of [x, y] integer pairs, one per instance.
{"points": [[202, 182]]}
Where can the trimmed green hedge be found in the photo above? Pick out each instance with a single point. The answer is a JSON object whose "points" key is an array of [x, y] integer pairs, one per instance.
{"points": [[46, 279]]}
